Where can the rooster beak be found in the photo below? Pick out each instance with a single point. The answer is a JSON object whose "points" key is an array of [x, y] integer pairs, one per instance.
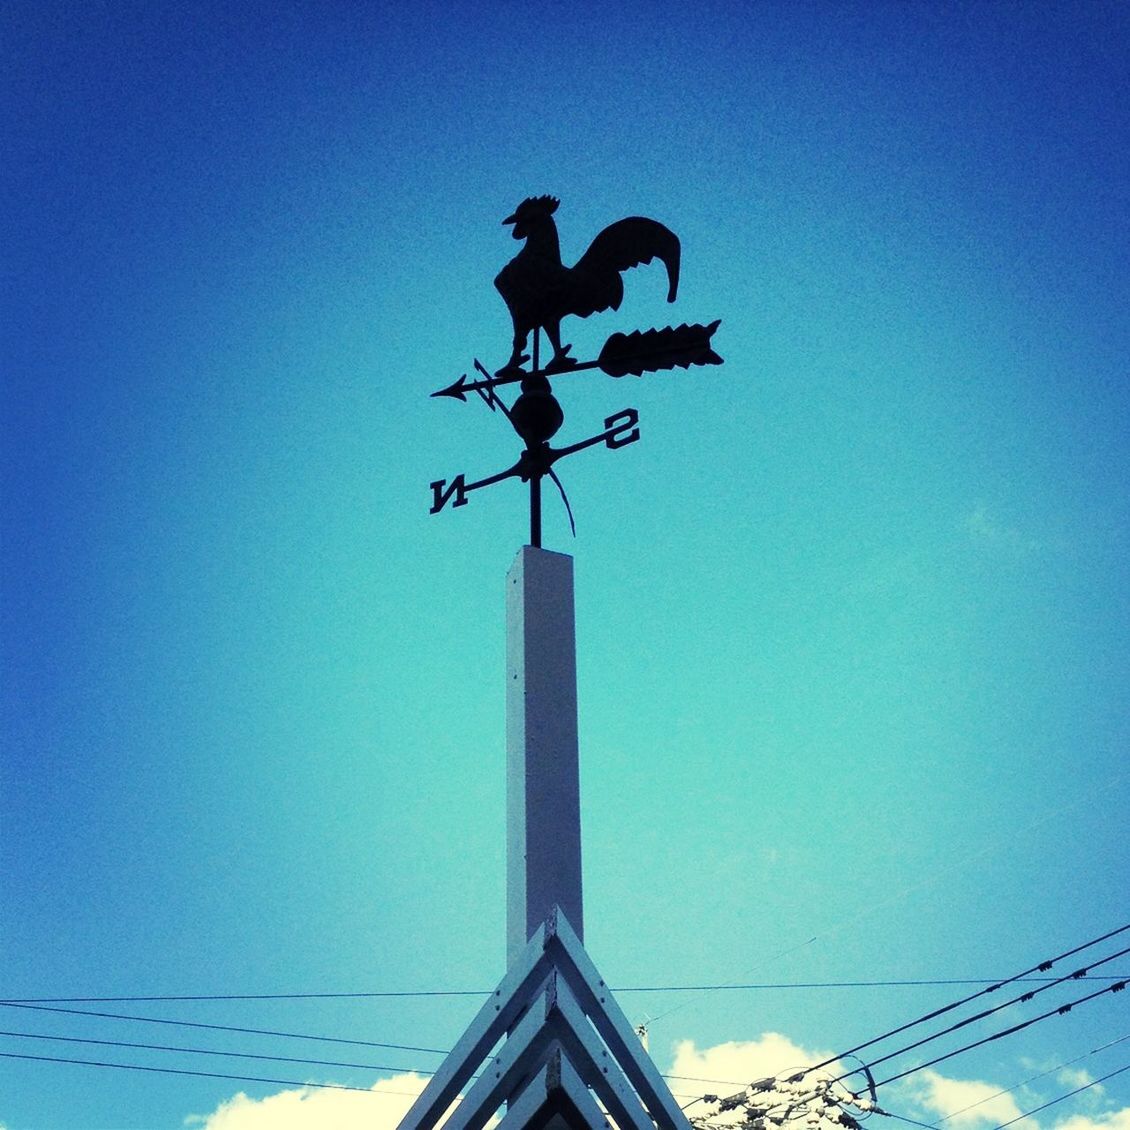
{"points": [[513, 219]]}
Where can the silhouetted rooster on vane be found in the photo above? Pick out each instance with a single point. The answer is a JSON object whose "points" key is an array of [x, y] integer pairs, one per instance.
{"points": [[540, 290]]}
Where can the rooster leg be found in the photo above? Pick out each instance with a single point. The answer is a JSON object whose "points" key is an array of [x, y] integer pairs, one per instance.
{"points": [[517, 358], [561, 360]]}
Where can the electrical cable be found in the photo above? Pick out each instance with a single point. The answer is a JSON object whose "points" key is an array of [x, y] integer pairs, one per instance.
{"points": [[1023, 998], [202, 1074], [904, 1118], [247, 997], [713, 989], [1042, 967], [905, 983], [918, 982], [1008, 1090], [1061, 1011], [256, 1032], [210, 1051], [1033, 1078], [34, 1005], [1086, 1086], [1046, 983], [221, 1027], [799, 1100]]}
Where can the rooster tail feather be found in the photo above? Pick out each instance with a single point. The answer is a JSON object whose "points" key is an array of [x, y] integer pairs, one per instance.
{"points": [[671, 262], [630, 243]]}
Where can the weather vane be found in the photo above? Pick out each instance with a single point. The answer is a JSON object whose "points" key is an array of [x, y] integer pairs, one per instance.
{"points": [[539, 291]]}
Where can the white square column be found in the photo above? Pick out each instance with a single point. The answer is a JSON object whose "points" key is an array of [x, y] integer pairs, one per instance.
{"points": [[543, 803]]}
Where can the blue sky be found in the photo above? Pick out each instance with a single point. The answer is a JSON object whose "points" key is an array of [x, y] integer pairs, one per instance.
{"points": [[852, 617]]}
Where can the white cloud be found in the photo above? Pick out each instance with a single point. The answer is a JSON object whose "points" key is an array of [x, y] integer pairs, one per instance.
{"points": [[382, 1108], [721, 1070], [725, 1069], [311, 1108], [1112, 1120], [964, 1102], [1077, 1077], [743, 1061]]}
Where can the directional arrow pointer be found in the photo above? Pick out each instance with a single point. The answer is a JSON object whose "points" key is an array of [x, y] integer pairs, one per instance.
{"points": [[457, 389], [642, 351]]}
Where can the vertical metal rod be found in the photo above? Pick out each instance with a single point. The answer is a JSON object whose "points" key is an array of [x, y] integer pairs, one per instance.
{"points": [[535, 481], [535, 511]]}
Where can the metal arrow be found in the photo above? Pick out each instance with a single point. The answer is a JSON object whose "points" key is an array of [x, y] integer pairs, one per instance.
{"points": [[643, 351]]}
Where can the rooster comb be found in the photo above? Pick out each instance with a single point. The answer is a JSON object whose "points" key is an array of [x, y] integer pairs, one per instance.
{"points": [[532, 205]]}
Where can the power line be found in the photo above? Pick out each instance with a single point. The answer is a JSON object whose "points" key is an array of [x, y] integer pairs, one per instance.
{"points": [[202, 1074], [1025, 975], [1033, 1078], [251, 997], [205, 1051], [1086, 1086], [707, 990], [1016, 1086], [894, 984], [1062, 1010], [802, 1100], [211, 1051], [248, 1055], [1042, 967], [904, 1118], [918, 982], [1049, 982], [1024, 997], [220, 1027]]}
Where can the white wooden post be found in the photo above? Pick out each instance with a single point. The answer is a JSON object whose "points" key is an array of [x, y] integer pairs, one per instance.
{"points": [[551, 1044], [543, 803]]}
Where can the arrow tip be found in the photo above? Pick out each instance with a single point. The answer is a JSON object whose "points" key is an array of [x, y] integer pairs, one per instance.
{"points": [[455, 390]]}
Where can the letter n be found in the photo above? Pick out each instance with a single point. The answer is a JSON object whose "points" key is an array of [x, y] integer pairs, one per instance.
{"points": [[440, 496]]}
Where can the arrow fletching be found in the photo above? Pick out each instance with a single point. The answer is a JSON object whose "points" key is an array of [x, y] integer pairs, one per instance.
{"points": [[648, 351]]}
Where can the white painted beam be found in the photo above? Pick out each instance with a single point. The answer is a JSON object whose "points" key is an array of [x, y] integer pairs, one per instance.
{"points": [[543, 805]]}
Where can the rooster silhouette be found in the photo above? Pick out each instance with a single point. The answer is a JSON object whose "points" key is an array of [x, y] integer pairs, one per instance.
{"points": [[540, 290]]}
